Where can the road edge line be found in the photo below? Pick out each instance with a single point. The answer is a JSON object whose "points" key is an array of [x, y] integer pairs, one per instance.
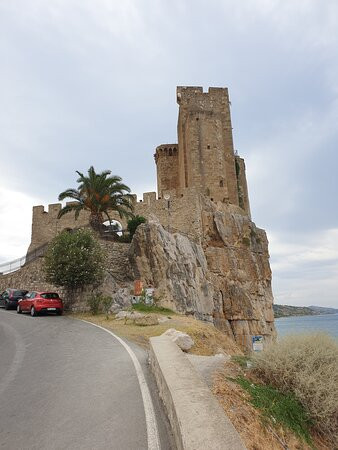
{"points": [[151, 423]]}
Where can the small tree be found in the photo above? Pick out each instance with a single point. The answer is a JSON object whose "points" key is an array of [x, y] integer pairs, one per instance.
{"points": [[134, 223], [74, 260]]}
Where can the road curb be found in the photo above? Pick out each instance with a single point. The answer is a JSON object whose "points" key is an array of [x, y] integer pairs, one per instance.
{"points": [[197, 420]]}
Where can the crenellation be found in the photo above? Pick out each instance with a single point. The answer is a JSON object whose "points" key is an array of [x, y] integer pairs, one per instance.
{"points": [[54, 208], [149, 197], [38, 210]]}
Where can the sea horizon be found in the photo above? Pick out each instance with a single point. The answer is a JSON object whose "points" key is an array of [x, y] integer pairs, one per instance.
{"points": [[321, 323]]}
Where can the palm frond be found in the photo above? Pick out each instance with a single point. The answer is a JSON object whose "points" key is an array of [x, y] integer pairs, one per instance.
{"points": [[69, 208]]}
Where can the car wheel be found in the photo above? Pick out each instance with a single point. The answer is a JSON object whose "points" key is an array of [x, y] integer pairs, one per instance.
{"points": [[59, 312], [7, 306], [33, 312], [18, 309]]}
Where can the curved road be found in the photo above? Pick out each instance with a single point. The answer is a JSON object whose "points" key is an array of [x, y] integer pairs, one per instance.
{"points": [[66, 384]]}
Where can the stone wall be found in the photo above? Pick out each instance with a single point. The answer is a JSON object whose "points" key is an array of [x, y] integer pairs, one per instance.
{"points": [[117, 277], [181, 215]]}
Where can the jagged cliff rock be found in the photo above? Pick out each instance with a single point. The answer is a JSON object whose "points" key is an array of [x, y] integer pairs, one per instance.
{"points": [[225, 278], [175, 266]]}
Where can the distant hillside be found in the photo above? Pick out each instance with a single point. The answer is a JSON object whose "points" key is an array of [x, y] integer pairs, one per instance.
{"points": [[323, 310], [286, 310]]}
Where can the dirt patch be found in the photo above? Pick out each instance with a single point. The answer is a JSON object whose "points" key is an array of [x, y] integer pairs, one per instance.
{"points": [[208, 340]]}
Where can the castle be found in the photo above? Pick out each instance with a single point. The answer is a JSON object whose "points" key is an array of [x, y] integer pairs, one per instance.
{"points": [[203, 162], [199, 249]]}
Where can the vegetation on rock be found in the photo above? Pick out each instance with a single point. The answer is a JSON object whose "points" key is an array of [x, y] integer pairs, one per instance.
{"points": [[98, 193], [134, 223]]}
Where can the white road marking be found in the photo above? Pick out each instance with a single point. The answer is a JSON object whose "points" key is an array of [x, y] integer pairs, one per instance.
{"points": [[152, 431]]}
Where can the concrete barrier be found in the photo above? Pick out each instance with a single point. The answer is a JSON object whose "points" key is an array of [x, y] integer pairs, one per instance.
{"points": [[197, 420]]}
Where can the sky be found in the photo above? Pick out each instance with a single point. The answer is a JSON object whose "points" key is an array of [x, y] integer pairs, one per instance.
{"points": [[93, 82]]}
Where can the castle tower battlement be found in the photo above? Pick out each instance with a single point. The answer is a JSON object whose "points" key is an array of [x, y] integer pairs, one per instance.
{"points": [[206, 152], [166, 158]]}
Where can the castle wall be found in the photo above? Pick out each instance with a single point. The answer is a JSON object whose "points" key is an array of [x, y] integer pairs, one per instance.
{"points": [[181, 215], [206, 154], [243, 195], [31, 276], [166, 158], [46, 225]]}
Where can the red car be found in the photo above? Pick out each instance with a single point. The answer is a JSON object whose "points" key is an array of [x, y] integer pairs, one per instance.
{"points": [[37, 302]]}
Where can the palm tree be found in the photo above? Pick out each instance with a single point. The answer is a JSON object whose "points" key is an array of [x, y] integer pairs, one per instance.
{"points": [[98, 193]]}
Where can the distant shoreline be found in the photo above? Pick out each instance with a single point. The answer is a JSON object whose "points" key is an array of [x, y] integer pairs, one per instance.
{"points": [[306, 315], [281, 311]]}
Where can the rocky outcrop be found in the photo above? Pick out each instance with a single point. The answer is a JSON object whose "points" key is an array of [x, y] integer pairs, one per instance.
{"points": [[225, 278], [175, 266]]}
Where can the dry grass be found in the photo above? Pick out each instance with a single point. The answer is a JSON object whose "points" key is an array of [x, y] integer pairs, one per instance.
{"points": [[256, 433], [208, 340], [307, 366]]}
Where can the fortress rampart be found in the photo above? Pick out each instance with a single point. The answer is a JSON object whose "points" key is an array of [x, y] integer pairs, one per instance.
{"points": [[202, 162]]}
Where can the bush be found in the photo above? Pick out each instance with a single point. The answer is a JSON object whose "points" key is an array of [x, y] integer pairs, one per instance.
{"points": [[307, 366], [74, 259], [134, 223], [94, 302], [98, 302], [106, 303]]}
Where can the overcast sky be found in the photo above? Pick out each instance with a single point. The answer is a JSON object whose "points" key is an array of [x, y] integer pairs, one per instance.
{"points": [[93, 82]]}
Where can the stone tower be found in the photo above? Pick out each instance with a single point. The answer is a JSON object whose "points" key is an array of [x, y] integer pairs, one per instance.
{"points": [[204, 158]]}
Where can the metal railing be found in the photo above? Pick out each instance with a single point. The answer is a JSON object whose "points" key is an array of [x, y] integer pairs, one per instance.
{"points": [[16, 264]]}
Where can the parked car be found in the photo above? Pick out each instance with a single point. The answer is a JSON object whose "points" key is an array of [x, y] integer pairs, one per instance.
{"points": [[37, 302], [9, 298]]}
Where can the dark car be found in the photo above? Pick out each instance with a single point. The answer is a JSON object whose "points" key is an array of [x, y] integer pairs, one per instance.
{"points": [[9, 298]]}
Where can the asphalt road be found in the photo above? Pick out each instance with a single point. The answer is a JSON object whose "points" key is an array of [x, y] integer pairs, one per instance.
{"points": [[65, 384]]}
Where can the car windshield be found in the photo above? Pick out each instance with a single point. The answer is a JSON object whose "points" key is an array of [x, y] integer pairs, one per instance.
{"points": [[19, 293], [50, 295]]}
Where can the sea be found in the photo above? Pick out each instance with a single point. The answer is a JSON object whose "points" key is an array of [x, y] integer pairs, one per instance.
{"points": [[327, 323]]}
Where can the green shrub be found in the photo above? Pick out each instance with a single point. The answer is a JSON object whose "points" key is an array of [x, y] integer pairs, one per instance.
{"points": [[134, 223], [307, 366], [94, 302], [106, 303], [98, 302], [74, 259]]}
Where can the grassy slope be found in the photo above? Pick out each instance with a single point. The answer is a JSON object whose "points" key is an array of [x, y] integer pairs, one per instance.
{"points": [[208, 340]]}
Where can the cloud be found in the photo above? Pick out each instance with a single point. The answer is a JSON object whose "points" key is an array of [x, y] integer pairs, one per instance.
{"points": [[93, 83], [15, 223], [305, 268]]}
